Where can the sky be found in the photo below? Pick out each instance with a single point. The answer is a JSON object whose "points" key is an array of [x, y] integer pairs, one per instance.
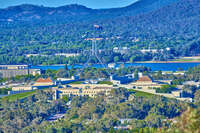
{"points": [[96, 4]]}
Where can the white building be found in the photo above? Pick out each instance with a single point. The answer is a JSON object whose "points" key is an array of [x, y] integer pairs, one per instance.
{"points": [[68, 54]]}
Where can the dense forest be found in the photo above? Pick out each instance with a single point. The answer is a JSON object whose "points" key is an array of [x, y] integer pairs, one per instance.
{"points": [[87, 114], [40, 30]]}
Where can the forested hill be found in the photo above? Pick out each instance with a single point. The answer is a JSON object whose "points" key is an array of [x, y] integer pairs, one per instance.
{"points": [[171, 26], [44, 30], [75, 12]]}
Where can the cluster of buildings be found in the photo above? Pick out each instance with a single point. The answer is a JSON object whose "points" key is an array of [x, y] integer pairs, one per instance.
{"points": [[68, 54], [40, 83], [61, 89], [62, 86], [147, 84], [121, 50], [57, 54]]}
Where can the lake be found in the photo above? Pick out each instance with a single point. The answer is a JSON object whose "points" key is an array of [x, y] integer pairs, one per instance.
{"points": [[2, 96], [153, 66]]}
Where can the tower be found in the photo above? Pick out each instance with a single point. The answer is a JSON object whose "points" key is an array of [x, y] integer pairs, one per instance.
{"points": [[94, 50]]}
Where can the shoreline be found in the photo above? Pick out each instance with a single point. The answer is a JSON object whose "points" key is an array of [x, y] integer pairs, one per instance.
{"points": [[132, 63], [167, 62]]}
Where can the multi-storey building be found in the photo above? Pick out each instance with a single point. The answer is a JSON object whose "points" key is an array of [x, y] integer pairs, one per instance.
{"points": [[8, 71], [145, 82], [87, 91]]}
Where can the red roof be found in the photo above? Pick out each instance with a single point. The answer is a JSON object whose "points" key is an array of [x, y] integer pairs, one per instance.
{"points": [[144, 79], [41, 80]]}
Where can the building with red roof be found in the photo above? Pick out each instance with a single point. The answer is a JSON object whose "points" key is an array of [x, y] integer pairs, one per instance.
{"points": [[44, 82]]}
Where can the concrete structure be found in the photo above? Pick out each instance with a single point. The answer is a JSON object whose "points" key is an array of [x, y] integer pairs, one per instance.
{"points": [[34, 72], [177, 93], [197, 84], [145, 83], [140, 74], [68, 54], [9, 71], [23, 88], [179, 73], [112, 65], [13, 67], [149, 51], [90, 85], [82, 91], [120, 50], [39, 84], [122, 80], [33, 55], [64, 81]]}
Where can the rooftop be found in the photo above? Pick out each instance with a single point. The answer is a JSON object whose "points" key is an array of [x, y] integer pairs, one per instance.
{"points": [[41, 80], [144, 79]]}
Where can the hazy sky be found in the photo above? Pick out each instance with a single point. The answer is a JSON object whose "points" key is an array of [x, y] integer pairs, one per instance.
{"points": [[56, 3]]}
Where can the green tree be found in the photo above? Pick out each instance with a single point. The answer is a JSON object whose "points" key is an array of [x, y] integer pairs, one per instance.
{"points": [[197, 98], [66, 67], [116, 59]]}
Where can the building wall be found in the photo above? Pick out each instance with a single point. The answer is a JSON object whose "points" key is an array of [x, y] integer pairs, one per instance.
{"points": [[22, 88], [13, 67], [89, 85], [9, 71], [13, 73], [177, 93], [34, 71], [146, 85], [43, 84], [59, 93]]}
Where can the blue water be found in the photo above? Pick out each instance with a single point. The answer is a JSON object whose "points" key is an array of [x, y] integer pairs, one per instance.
{"points": [[2, 96], [153, 66]]}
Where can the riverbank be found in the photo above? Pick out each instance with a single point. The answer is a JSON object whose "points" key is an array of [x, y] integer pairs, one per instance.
{"points": [[175, 61], [163, 66]]}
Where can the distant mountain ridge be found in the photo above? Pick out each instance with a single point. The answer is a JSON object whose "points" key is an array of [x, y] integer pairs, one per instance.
{"points": [[159, 23], [74, 12]]}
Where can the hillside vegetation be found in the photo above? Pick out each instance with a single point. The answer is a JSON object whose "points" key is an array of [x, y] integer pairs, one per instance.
{"points": [[29, 29]]}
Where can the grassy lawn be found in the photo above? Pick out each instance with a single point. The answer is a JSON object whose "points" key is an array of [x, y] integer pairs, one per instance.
{"points": [[18, 96], [189, 59], [184, 60], [105, 82], [76, 82], [140, 93]]}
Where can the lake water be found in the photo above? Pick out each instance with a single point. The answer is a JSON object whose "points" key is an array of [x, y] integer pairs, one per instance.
{"points": [[2, 96], [153, 66]]}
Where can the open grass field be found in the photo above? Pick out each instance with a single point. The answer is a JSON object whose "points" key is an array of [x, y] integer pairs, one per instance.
{"points": [[140, 93], [105, 82], [18, 96], [188, 59], [76, 82]]}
